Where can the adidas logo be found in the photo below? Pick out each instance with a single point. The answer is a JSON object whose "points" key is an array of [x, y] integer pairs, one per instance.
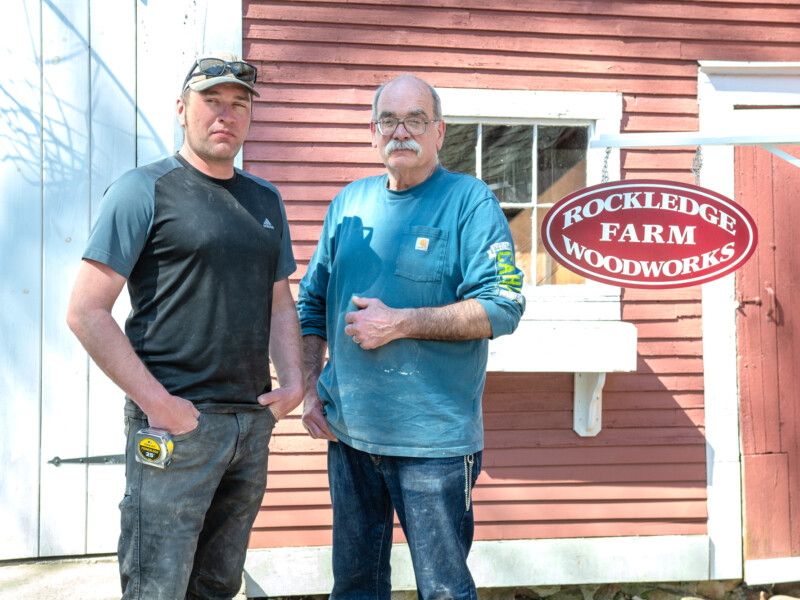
{"points": [[267, 224]]}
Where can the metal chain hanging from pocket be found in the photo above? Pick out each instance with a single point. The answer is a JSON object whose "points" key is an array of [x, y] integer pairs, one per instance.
{"points": [[469, 460]]}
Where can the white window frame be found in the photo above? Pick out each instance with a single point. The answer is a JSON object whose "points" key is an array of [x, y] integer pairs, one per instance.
{"points": [[601, 112]]}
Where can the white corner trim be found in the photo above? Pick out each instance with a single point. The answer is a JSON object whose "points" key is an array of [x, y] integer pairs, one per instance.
{"points": [[531, 104], [307, 570], [724, 67], [565, 347], [771, 570]]}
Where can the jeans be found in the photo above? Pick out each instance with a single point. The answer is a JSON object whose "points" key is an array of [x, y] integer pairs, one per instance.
{"points": [[185, 528], [432, 497]]}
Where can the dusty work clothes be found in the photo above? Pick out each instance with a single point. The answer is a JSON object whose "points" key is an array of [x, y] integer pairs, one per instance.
{"points": [[201, 256], [432, 497], [185, 528], [440, 242]]}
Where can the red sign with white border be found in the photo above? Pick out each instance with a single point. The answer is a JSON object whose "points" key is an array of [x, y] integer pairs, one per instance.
{"points": [[649, 234]]}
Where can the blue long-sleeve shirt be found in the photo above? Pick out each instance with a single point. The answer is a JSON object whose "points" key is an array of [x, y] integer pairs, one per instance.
{"points": [[440, 242]]}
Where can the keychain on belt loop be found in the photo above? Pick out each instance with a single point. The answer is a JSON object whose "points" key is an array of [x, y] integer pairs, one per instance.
{"points": [[468, 462], [697, 164]]}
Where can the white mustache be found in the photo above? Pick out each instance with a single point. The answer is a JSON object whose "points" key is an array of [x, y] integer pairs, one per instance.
{"points": [[394, 144]]}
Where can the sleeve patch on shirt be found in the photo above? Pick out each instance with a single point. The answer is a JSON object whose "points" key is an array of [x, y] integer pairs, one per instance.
{"points": [[422, 244], [499, 247]]}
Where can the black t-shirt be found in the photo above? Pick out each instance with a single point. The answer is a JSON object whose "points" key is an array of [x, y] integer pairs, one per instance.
{"points": [[201, 256]]}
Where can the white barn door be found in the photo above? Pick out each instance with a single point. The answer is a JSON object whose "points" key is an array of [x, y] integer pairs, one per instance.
{"points": [[69, 129], [88, 92]]}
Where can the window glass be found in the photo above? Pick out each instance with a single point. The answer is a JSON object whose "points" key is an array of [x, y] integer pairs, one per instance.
{"points": [[503, 156], [561, 169], [458, 153], [506, 162]]}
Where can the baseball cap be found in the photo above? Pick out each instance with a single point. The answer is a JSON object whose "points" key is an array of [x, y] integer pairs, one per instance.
{"points": [[219, 67]]}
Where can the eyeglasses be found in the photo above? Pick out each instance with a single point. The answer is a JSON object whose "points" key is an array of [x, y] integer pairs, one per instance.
{"points": [[214, 67], [413, 125]]}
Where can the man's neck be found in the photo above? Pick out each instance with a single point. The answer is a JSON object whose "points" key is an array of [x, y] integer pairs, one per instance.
{"points": [[217, 170], [400, 180]]}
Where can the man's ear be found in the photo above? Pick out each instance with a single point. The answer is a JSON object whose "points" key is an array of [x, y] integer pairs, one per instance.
{"points": [[181, 111], [440, 129], [374, 131]]}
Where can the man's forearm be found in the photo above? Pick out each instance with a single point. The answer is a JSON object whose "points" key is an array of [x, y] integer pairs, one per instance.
{"points": [[284, 348], [465, 320], [107, 345], [89, 317], [314, 348], [376, 324]]}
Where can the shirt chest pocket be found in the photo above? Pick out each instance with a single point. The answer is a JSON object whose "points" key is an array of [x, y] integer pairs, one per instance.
{"points": [[422, 254]]}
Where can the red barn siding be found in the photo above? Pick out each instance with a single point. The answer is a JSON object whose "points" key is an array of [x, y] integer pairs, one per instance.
{"points": [[319, 63]]}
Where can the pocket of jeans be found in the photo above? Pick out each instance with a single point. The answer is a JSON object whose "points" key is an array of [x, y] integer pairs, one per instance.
{"points": [[190, 434], [422, 254], [272, 420]]}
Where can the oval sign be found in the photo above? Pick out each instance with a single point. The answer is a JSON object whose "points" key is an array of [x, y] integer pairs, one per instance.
{"points": [[649, 234]]}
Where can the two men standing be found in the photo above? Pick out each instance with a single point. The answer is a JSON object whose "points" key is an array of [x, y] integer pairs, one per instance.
{"points": [[413, 273]]}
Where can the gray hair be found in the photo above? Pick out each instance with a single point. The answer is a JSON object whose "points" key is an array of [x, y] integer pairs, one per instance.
{"points": [[437, 102]]}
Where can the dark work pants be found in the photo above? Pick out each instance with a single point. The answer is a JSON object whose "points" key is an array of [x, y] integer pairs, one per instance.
{"points": [[185, 528], [432, 497]]}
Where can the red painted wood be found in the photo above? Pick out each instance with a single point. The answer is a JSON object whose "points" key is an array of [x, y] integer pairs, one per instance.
{"points": [[320, 536], [772, 11], [769, 349], [319, 63], [786, 179], [766, 505], [757, 345], [673, 27]]}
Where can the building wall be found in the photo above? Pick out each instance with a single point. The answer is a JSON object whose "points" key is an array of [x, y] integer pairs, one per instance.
{"points": [[645, 473]]}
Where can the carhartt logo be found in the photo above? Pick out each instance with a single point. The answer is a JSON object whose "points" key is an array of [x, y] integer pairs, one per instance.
{"points": [[267, 224], [422, 244]]}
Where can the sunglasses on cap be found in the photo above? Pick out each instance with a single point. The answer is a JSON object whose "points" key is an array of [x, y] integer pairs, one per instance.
{"points": [[215, 67]]}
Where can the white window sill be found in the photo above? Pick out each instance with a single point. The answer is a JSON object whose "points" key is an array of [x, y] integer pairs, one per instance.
{"points": [[590, 349]]}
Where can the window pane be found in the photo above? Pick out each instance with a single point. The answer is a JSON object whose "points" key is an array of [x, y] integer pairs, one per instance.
{"points": [[519, 221], [561, 161], [548, 271], [561, 169], [458, 151], [506, 157]]}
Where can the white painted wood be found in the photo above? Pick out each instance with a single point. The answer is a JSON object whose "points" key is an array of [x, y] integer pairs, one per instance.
{"points": [[113, 151], [588, 403], [771, 570], [690, 138], [587, 348], [170, 36], [513, 563], [565, 347], [784, 155], [20, 285], [65, 171], [162, 60], [76, 108], [721, 87]]}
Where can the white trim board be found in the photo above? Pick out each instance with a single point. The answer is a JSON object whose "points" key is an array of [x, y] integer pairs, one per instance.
{"points": [[509, 563], [771, 570], [722, 87]]}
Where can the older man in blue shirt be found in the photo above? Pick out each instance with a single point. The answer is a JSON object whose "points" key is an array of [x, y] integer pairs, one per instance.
{"points": [[414, 271]]}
